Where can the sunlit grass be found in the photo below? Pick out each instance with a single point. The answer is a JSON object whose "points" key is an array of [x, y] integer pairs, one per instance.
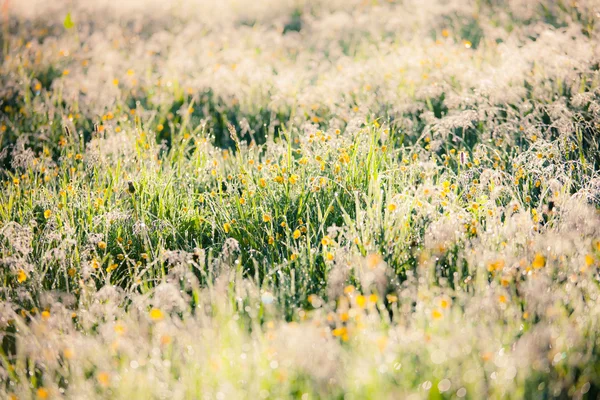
{"points": [[299, 200]]}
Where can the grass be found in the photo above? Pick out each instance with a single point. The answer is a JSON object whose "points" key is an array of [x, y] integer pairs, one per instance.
{"points": [[299, 200]]}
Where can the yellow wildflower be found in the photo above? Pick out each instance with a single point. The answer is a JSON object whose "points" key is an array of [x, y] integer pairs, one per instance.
{"points": [[539, 261], [496, 265], [103, 378], [361, 301], [21, 276], [156, 314], [42, 393]]}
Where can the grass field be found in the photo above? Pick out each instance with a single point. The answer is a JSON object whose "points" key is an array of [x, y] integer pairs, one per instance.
{"points": [[271, 199]]}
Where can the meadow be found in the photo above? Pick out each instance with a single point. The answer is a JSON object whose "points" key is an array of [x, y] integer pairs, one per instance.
{"points": [[272, 199]]}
